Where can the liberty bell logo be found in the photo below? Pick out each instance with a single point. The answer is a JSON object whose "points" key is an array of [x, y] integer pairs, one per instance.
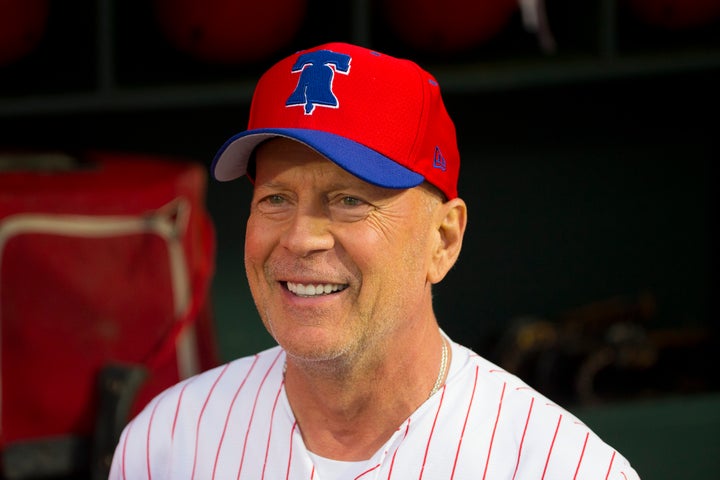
{"points": [[315, 86]]}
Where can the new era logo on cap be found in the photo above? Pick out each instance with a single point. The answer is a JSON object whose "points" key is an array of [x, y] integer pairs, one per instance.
{"points": [[438, 160], [379, 117]]}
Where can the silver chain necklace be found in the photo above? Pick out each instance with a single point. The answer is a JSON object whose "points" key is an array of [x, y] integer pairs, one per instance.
{"points": [[443, 368]]}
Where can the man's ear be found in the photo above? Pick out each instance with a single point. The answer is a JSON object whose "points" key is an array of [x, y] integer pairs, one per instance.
{"points": [[451, 223]]}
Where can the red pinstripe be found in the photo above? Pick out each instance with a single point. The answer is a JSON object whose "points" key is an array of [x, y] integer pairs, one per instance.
{"points": [[612, 459], [522, 440], [552, 444], [492, 438], [147, 445], [199, 420], [392, 462], [272, 421], [177, 410], [467, 415], [252, 413], [227, 417], [292, 432], [367, 471], [124, 451], [432, 430], [582, 454]]}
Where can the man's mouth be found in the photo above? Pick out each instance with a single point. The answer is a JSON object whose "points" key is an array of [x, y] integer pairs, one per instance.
{"points": [[314, 290]]}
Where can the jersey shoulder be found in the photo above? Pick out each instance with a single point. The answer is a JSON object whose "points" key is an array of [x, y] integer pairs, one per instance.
{"points": [[533, 428]]}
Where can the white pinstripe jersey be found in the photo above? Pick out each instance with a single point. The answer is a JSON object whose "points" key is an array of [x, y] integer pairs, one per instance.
{"points": [[235, 422]]}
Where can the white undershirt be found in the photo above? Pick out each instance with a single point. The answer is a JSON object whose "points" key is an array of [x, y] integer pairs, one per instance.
{"points": [[328, 469]]}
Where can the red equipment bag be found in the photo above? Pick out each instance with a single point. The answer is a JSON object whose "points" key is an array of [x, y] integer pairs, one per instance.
{"points": [[105, 268]]}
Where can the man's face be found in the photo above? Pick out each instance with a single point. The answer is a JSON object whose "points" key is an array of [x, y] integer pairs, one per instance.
{"points": [[335, 264]]}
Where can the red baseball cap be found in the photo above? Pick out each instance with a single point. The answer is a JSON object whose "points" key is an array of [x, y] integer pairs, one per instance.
{"points": [[378, 117]]}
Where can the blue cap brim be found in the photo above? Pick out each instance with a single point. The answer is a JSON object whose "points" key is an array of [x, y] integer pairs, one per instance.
{"points": [[232, 159]]}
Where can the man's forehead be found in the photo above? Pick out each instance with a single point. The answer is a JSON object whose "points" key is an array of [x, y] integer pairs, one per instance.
{"points": [[280, 149]]}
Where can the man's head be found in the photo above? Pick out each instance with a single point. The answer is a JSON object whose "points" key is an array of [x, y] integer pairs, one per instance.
{"points": [[355, 213], [378, 117]]}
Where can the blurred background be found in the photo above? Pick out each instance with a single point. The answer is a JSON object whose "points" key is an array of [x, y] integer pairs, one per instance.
{"points": [[588, 133]]}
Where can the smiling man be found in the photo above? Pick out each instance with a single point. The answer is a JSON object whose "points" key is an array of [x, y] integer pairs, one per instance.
{"points": [[355, 215]]}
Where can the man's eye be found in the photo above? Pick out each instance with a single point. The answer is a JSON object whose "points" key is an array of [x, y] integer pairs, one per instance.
{"points": [[271, 203], [275, 199], [351, 201], [346, 208]]}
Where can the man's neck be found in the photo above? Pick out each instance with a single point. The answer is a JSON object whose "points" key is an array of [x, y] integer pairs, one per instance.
{"points": [[350, 416]]}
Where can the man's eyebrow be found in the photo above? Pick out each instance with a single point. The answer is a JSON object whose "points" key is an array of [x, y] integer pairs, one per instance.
{"points": [[271, 184]]}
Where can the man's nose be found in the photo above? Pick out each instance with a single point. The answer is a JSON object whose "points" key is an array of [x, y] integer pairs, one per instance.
{"points": [[309, 232]]}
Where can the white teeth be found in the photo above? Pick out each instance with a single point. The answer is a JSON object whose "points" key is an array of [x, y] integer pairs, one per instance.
{"points": [[302, 290]]}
